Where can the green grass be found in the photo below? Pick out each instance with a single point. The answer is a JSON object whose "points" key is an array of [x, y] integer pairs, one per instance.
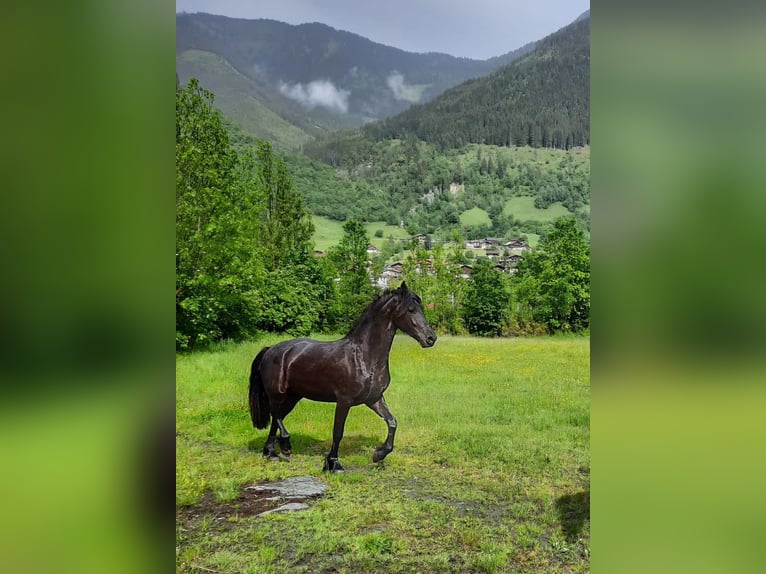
{"points": [[475, 216], [328, 232], [533, 239], [523, 208], [388, 230], [492, 448]]}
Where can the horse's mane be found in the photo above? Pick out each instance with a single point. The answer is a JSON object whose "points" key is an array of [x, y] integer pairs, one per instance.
{"points": [[370, 311]]}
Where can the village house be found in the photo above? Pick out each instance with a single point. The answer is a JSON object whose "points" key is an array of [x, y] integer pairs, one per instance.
{"points": [[485, 243], [372, 250], [517, 243], [390, 274]]}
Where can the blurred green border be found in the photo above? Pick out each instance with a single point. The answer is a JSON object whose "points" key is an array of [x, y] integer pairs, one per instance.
{"points": [[679, 317]]}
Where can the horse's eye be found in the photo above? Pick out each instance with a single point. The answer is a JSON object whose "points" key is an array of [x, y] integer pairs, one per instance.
{"points": [[412, 309]]}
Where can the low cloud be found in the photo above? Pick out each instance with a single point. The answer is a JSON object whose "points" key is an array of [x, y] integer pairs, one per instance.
{"points": [[400, 88], [318, 93]]}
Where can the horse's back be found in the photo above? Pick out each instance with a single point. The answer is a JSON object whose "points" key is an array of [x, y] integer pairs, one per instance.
{"points": [[305, 367]]}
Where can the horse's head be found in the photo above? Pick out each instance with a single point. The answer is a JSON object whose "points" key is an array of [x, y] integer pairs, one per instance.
{"points": [[408, 316]]}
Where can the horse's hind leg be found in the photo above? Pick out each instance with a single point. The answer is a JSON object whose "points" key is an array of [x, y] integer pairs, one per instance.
{"points": [[280, 412], [381, 408], [284, 439], [268, 448]]}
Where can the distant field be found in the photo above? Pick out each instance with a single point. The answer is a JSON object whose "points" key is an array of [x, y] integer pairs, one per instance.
{"points": [[388, 230], [533, 239], [523, 208], [329, 232], [475, 216], [490, 471]]}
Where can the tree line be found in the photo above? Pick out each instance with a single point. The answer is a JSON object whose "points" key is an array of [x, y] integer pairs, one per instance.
{"points": [[550, 293]]}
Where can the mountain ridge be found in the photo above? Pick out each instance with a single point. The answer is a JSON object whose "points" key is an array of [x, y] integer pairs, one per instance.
{"points": [[321, 67], [541, 100]]}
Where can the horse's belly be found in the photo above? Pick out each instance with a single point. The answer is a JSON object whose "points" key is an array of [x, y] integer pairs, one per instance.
{"points": [[318, 387], [319, 395]]}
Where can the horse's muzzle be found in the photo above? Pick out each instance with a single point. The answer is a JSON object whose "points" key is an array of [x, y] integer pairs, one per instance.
{"points": [[429, 342]]}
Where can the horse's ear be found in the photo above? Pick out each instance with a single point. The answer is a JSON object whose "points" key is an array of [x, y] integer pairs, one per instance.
{"points": [[403, 287]]}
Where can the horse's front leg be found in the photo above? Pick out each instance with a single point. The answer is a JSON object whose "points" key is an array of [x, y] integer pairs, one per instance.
{"points": [[332, 463], [381, 408]]}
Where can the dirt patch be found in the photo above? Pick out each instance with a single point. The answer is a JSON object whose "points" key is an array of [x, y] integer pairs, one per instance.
{"points": [[253, 500]]}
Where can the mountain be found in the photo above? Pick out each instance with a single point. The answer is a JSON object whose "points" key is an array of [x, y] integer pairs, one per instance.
{"points": [[313, 76], [259, 109], [541, 99]]}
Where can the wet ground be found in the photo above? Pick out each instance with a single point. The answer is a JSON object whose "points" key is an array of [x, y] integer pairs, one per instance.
{"points": [[290, 494]]}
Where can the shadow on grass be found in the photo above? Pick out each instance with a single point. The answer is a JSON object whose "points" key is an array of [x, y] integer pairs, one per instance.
{"points": [[574, 510], [310, 444]]}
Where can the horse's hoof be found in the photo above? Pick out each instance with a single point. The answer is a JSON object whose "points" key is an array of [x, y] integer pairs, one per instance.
{"points": [[270, 453], [332, 465], [379, 455]]}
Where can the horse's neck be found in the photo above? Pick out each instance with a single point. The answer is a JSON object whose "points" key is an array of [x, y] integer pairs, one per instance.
{"points": [[377, 338]]}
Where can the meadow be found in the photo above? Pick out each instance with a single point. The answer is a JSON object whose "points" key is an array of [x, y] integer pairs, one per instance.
{"points": [[490, 472], [328, 232], [523, 208]]}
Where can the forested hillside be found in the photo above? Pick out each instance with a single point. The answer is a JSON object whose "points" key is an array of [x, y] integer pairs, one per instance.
{"points": [[539, 100], [407, 182], [427, 189]]}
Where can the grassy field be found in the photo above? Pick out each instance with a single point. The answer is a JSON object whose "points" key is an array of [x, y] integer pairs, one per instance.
{"points": [[328, 232], [523, 208], [490, 472], [475, 216]]}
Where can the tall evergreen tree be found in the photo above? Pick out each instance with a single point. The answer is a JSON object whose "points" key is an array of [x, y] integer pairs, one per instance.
{"points": [[349, 258], [286, 224]]}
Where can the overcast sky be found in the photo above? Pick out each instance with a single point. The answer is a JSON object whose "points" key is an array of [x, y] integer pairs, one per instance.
{"points": [[477, 29]]}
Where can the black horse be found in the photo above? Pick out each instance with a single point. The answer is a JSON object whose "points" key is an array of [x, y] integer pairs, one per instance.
{"points": [[351, 371]]}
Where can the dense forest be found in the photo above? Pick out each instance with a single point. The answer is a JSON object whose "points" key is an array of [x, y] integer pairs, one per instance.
{"points": [[413, 183], [541, 100]]}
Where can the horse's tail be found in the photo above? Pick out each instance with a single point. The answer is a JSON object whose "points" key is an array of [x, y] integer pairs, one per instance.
{"points": [[260, 410]]}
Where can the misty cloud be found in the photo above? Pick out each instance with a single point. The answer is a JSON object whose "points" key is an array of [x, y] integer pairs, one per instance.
{"points": [[400, 88], [318, 93]]}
